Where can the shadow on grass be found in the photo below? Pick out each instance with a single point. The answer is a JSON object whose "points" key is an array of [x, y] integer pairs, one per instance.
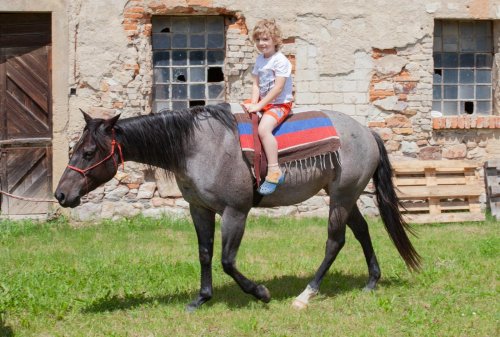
{"points": [[281, 288], [5, 330]]}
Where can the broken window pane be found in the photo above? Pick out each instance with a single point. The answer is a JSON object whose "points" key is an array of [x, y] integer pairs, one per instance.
{"points": [[160, 23], [437, 78], [215, 74], [179, 75]]}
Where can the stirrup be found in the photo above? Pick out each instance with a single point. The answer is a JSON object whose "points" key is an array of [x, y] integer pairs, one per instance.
{"points": [[268, 187]]}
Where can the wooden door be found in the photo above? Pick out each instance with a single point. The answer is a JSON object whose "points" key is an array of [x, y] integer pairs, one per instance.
{"points": [[25, 112]]}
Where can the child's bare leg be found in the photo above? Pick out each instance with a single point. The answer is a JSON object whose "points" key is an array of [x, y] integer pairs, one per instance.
{"points": [[266, 127]]}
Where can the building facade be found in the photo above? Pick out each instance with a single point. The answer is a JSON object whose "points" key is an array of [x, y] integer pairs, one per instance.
{"points": [[423, 74]]}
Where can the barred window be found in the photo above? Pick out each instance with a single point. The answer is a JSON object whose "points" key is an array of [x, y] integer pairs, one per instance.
{"points": [[463, 61], [188, 59]]}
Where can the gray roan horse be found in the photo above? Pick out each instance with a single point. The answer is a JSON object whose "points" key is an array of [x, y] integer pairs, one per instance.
{"points": [[200, 146]]}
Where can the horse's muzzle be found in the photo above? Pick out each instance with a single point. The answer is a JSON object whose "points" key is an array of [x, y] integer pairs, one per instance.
{"points": [[64, 201]]}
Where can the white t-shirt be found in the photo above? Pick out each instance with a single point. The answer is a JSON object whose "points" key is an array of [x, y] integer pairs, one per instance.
{"points": [[267, 69]]}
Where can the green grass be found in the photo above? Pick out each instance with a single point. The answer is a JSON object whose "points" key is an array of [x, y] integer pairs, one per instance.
{"points": [[134, 278]]}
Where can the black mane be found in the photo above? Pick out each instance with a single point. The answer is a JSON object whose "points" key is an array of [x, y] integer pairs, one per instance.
{"points": [[162, 137]]}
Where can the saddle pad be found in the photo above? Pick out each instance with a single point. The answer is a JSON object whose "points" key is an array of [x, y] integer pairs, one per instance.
{"points": [[302, 135]]}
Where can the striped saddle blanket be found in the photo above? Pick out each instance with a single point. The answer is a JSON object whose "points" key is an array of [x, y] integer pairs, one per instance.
{"points": [[302, 135]]}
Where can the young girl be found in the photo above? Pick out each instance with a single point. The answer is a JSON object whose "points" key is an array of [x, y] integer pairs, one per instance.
{"points": [[271, 94]]}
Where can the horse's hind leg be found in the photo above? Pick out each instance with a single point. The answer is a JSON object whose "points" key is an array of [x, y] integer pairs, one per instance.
{"points": [[359, 227], [233, 227], [334, 243]]}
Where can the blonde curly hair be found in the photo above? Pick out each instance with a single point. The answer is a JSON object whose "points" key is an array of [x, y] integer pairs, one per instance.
{"points": [[270, 28]]}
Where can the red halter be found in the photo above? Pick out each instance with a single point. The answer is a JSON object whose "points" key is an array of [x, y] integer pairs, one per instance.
{"points": [[111, 155]]}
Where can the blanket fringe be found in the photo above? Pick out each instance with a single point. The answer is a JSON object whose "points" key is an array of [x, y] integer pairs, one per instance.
{"points": [[324, 161], [305, 165]]}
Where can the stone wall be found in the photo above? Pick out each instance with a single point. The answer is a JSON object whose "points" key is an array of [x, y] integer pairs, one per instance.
{"points": [[368, 61]]}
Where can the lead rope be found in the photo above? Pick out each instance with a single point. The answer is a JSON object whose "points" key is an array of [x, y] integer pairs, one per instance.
{"points": [[27, 199]]}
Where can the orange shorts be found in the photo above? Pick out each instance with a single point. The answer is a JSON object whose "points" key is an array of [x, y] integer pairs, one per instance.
{"points": [[277, 111]]}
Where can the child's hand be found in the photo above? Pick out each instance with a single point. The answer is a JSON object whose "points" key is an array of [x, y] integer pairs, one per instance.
{"points": [[252, 107]]}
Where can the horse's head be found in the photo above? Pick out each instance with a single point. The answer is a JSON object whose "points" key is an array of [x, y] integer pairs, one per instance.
{"points": [[94, 161]]}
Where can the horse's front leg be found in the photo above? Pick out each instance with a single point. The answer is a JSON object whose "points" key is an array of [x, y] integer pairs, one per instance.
{"points": [[233, 227], [204, 223]]}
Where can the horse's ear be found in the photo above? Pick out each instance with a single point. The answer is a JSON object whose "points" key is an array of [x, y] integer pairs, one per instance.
{"points": [[110, 123], [86, 116]]}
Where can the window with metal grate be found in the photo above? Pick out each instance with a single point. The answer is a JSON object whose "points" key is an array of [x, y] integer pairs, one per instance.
{"points": [[463, 61], [188, 59]]}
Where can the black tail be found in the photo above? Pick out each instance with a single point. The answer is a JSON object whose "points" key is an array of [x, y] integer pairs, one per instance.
{"points": [[388, 204]]}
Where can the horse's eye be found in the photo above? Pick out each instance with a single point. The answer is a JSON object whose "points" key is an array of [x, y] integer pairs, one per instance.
{"points": [[88, 154]]}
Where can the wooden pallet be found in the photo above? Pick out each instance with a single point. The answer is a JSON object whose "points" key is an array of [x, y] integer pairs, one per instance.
{"points": [[439, 190], [492, 180]]}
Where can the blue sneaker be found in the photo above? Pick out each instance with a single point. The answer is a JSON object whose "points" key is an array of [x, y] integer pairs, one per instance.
{"points": [[268, 187]]}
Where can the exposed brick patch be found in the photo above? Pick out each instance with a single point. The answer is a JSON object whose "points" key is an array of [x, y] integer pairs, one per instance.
{"points": [[137, 16], [376, 124], [402, 85], [398, 121], [378, 53], [203, 3], [239, 24], [466, 122]]}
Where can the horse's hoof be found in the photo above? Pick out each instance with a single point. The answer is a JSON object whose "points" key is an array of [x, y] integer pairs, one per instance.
{"points": [[191, 307], [263, 294], [299, 305], [368, 289]]}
